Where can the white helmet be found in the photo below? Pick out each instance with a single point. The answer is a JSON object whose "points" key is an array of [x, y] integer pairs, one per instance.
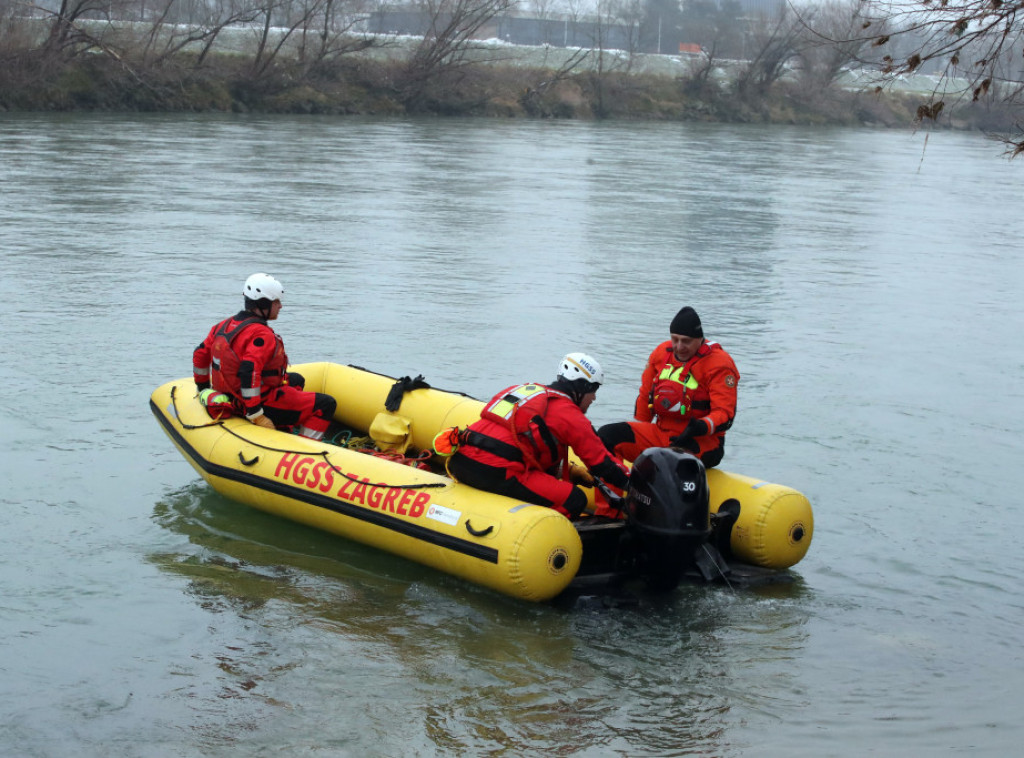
{"points": [[259, 286], [576, 366]]}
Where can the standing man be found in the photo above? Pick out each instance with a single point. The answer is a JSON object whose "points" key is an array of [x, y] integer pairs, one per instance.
{"points": [[687, 397], [519, 447], [243, 357]]}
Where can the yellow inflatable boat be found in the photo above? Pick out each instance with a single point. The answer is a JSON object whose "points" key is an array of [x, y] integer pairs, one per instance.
{"points": [[373, 484]]}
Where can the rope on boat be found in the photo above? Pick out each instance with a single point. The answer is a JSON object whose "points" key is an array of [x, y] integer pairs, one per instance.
{"points": [[394, 457]]}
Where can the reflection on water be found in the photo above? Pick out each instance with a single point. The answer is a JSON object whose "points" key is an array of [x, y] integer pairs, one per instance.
{"points": [[598, 679]]}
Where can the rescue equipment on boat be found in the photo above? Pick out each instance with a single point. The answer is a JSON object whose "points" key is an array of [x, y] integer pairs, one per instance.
{"points": [[678, 515]]}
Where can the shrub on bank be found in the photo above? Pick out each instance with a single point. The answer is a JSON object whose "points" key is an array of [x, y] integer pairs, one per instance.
{"points": [[32, 81]]}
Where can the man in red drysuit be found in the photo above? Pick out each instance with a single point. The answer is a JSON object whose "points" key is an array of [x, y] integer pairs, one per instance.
{"points": [[243, 357], [687, 397], [520, 445]]}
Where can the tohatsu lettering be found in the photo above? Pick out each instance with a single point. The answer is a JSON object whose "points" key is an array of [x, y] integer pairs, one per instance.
{"points": [[319, 475]]}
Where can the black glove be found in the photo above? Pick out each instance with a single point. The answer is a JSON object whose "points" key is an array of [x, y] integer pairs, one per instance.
{"points": [[618, 503], [399, 388], [696, 428], [202, 386]]}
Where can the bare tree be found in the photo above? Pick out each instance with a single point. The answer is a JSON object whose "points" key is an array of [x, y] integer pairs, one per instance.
{"points": [[600, 33], [700, 70], [974, 41], [269, 45], [328, 36], [615, 28], [533, 96], [303, 32], [68, 35], [15, 29], [831, 41], [445, 50], [627, 15], [772, 43], [164, 40]]}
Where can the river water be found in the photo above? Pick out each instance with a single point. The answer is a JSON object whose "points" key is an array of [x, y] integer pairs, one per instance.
{"points": [[866, 282]]}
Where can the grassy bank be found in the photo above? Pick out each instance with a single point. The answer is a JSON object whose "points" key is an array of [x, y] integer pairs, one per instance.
{"points": [[371, 87], [370, 83]]}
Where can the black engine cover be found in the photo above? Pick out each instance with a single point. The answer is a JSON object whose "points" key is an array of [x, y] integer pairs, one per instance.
{"points": [[668, 513]]}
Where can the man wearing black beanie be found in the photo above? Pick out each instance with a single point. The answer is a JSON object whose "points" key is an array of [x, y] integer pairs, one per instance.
{"points": [[687, 323], [687, 397]]}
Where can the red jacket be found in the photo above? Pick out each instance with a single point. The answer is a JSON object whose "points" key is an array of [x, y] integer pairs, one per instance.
{"points": [[564, 425], [243, 357], [673, 393]]}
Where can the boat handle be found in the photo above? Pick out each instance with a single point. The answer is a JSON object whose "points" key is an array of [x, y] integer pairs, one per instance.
{"points": [[250, 462], [480, 533]]}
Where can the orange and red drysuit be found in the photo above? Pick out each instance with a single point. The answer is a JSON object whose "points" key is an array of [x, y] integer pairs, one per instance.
{"points": [[243, 357], [672, 395], [520, 445]]}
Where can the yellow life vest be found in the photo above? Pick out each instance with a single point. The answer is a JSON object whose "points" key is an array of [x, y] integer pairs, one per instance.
{"points": [[674, 374]]}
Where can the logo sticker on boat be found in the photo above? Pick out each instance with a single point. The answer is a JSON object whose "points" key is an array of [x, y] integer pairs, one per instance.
{"points": [[444, 515]]}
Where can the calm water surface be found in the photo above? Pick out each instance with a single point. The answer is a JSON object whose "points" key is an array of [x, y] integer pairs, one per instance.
{"points": [[867, 284]]}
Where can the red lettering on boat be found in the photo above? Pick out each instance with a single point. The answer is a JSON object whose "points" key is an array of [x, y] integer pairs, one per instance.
{"points": [[418, 505], [286, 463], [328, 484], [300, 470], [359, 493], [314, 475], [389, 499]]}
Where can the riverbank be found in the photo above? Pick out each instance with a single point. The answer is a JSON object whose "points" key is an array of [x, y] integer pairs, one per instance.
{"points": [[492, 80], [371, 87]]}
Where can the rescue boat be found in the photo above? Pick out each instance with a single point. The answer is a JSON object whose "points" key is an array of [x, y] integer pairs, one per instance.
{"points": [[375, 481]]}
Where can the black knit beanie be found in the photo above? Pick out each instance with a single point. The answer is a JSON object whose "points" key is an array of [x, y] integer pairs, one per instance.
{"points": [[687, 323]]}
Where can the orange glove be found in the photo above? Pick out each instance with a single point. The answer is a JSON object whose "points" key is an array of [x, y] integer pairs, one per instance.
{"points": [[263, 421], [579, 475]]}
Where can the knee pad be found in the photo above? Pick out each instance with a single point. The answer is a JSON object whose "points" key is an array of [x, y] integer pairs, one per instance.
{"points": [[712, 458], [325, 404], [576, 503]]}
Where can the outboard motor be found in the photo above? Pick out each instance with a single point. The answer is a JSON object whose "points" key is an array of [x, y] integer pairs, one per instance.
{"points": [[667, 514]]}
